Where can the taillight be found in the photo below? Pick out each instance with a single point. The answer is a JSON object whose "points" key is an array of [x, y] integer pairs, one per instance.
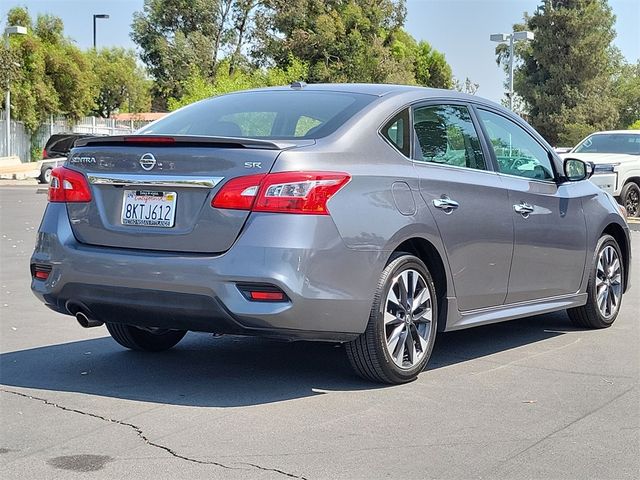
{"points": [[239, 193], [40, 271], [149, 139], [262, 292], [44, 153], [284, 192], [68, 186]]}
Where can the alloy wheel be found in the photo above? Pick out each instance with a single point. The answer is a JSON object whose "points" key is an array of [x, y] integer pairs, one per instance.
{"points": [[408, 318], [632, 202], [608, 282]]}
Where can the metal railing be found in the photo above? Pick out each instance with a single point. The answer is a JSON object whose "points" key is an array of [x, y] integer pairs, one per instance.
{"points": [[23, 142]]}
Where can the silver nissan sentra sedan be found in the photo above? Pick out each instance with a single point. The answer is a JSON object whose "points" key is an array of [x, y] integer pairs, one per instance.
{"points": [[371, 215]]}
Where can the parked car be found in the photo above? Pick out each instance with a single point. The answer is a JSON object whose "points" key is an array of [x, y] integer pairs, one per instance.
{"points": [[337, 213], [616, 156], [55, 152]]}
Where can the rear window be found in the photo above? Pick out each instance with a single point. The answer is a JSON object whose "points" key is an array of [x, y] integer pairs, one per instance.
{"points": [[266, 114], [610, 143]]}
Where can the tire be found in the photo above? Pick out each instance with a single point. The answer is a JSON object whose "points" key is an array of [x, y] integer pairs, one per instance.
{"points": [[596, 313], [45, 176], [372, 353], [630, 199], [144, 340]]}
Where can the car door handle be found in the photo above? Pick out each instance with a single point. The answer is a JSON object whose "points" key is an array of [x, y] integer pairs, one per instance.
{"points": [[523, 209], [445, 203]]}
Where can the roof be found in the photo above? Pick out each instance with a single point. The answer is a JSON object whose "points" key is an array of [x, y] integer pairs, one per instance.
{"points": [[617, 132], [376, 89]]}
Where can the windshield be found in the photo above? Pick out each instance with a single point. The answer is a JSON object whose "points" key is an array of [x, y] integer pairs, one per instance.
{"points": [[628, 143], [264, 114]]}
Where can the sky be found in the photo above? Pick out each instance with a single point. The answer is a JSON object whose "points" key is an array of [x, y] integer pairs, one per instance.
{"points": [[458, 28]]}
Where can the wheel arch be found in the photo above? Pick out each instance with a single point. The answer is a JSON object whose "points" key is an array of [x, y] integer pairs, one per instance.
{"points": [[429, 254], [634, 179], [617, 232]]}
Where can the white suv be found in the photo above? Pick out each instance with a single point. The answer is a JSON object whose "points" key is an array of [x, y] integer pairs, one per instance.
{"points": [[616, 156]]}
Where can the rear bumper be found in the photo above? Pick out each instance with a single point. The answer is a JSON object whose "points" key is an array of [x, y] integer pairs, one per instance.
{"points": [[329, 286]]}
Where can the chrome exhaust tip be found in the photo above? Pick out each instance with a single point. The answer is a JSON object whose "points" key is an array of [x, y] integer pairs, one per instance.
{"points": [[85, 321]]}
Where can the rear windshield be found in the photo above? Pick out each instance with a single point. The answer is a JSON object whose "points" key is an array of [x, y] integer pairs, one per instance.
{"points": [[266, 114], [611, 143]]}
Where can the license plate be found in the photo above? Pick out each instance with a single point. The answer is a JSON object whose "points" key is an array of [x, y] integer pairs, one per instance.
{"points": [[149, 209]]}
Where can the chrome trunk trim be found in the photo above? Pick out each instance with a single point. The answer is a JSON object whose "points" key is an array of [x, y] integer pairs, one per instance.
{"points": [[153, 180]]}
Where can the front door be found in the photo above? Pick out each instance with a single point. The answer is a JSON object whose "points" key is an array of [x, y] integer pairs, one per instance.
{"points": [[549, 225], [468, 201]]}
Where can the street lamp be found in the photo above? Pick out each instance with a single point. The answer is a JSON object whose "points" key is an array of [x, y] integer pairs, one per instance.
{"points": [[11, 30], [511, 38], [97, 15]]}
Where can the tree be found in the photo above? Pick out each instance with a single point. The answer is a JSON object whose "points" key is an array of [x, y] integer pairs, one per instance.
{"points": [[176, 36], [54, 76], [421, 64], [243, 20], [626, 87], [431, 68], [341, 40], [564, 78], [197, 88], [467, 87], [121, 85]]}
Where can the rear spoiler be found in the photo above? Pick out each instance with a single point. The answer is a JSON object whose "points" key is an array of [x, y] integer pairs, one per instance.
{"points": [[182, 140]]}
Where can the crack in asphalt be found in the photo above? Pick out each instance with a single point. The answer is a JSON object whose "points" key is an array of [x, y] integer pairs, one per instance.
{"points": [[555, 432], [146, 440], [273, 470]]}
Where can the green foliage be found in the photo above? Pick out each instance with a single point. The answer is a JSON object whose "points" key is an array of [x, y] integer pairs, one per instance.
{"points": [[195, 87], [634, 126], [35, 151], [420, 63], [626, 87], [342, 41], [431, 68], [565, 75], [176, 37], [54, 75], [207, 47], [120, 83]]}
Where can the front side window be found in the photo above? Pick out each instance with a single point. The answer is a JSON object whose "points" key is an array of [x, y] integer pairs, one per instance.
{"points": [[516, 151], [445, 134]]}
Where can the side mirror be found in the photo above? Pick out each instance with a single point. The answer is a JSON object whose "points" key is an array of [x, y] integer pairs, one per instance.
{"points": [[576, 170]]}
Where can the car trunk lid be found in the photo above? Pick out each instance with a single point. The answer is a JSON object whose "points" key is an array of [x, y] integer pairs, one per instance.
{"points": [[154, 193]]}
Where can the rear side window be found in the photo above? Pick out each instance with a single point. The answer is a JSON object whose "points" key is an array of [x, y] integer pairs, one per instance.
{"points": [[445, 134], [271, 114], [396, 131]]}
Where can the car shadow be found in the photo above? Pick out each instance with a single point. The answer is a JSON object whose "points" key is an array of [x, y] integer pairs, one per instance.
{"points": [[233, 371]]}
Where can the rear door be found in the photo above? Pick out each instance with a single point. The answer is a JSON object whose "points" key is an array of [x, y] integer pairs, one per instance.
{"points": [[549, 224], [157, 196], [468, 201]]}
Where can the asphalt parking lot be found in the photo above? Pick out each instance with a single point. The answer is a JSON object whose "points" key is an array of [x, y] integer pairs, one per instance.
{"points": [[533, 398]]}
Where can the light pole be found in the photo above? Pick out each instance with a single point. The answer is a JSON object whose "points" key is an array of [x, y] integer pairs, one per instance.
{"points": [[511, 38], [97, 15], [11, 30]]}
